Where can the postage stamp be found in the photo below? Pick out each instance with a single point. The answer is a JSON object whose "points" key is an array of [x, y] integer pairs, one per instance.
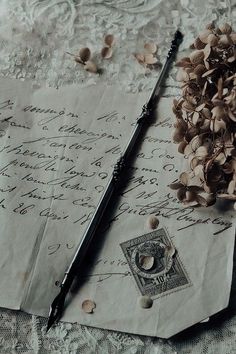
{"points": [[155, 264]]}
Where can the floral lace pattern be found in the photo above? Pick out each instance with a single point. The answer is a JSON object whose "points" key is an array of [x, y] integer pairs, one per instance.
{"points": [[34, 38]]}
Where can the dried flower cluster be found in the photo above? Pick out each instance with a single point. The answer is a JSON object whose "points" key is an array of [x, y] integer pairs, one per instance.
{"points": [[147, 57], [84, 55], [205, 126]]}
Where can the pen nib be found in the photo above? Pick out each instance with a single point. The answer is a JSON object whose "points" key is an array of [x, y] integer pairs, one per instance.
{"points": [[56, 309]]}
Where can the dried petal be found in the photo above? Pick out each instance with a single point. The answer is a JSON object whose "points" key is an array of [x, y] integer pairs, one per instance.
{"points": [[196, 57], [202, 201], [201, 152], [212, 39], [203, 36], [208, 72], [84, 54], [184, 178], [150, 47], [139, 57], [225, 28], [145, 302], [106, 52], [91, 67], [146, 262], [231, 187], [152, 222], [109, 40], [88, 306], [182, 75], [224, 41], [198, 44], [150, 59], [221, 158], [176, 186]]}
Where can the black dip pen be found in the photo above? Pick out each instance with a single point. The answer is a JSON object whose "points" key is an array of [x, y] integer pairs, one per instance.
{"points": [[57, 305]]}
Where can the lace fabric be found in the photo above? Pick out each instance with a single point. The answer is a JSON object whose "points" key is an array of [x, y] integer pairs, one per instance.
{"points": [[34, 38]]}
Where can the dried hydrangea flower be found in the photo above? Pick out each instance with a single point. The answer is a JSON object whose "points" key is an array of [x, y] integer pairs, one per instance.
{"points": [[205, 129]]}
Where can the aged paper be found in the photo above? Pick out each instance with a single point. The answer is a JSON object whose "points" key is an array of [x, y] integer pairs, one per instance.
{"points": [[58, 149]]}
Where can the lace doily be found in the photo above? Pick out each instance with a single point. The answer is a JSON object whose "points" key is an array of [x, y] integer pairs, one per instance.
{"points": [[34, 38]]}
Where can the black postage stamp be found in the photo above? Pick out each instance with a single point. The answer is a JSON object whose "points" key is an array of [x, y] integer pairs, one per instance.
{"points": [[155, 264]]}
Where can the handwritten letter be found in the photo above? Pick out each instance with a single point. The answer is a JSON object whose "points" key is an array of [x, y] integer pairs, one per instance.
{"points": [[57, 152]]}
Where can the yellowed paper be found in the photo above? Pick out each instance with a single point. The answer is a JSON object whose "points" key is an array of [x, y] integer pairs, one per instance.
{"points": [[57, 154]]}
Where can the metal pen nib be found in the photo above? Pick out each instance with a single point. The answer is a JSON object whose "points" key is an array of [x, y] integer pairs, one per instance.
{"points": [[56, 309], [57, 306]]}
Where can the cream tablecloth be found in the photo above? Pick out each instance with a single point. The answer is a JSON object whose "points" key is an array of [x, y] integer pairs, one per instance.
{"points": [[34, 36]]}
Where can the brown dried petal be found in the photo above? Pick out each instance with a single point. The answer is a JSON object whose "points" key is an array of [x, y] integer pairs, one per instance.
{"points": [[109, 40], [106, 52], [196, 57], [181, 194], [182, 147], [224, 41], [221, 158], [195, 118], [182, 75], [146, 262], [150, 47], [198, 44], [152, 222], [201, 152], [225, 28], [184, 62], [212, 39], [84, 54], [88, 306], [145, 302], [91, 67], [176, 186], [184, 178], [202, 201], [149, 59], [190, 196], [178, 135], [139, 57], [208, 72], [231, 187], [199, 69], [203, 36]]}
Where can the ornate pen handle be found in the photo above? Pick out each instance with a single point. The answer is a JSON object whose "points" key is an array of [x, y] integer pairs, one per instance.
{"points": [[57, 305], [175, 44]]}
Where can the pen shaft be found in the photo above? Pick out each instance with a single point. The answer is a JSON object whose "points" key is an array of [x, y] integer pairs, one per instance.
{"points": [[115, 178], [111, 188]]}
